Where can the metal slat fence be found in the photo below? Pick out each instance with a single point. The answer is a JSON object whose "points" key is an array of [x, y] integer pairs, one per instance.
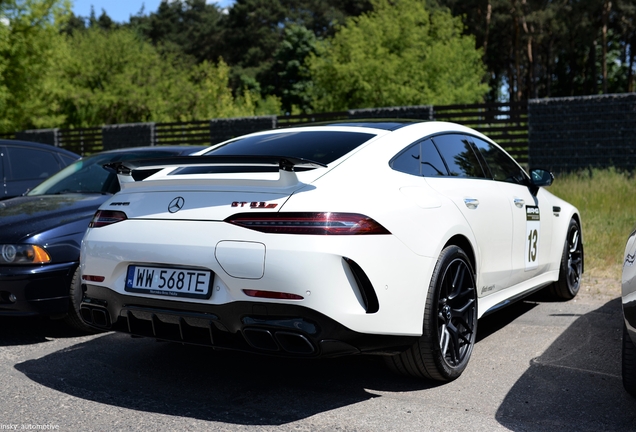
{"points": [[180, 133], [505, 123], [83, 141]]}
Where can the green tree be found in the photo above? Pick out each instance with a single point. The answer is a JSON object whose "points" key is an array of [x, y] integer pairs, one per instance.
{"points": [[289, 76], [112, 77], [398, 54], [29, 36], [254, 31], [116, 76], [212, 96], [536, 49], [190, 27]]}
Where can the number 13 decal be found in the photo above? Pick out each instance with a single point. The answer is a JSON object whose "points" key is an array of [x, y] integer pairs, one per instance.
{"points": [[533, 225]]}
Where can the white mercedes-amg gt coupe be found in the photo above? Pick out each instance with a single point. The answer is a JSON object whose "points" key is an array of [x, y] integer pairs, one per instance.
{"points": [[376, 237]]}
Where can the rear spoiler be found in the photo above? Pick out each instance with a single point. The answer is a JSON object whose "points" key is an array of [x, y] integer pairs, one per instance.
{"points": [[286, 165]]}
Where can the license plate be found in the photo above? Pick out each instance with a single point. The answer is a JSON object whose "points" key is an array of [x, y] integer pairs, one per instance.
{"points": [[171, 282]]}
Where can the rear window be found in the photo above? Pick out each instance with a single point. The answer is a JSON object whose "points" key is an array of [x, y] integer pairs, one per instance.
{"points": [[318, 146]]}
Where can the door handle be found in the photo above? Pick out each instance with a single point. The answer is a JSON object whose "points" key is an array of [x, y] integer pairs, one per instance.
{"points": [[471, 203], [519, 202]]}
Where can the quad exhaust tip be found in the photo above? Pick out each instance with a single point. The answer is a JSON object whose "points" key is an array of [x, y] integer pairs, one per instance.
{"points": [[272, 341], [96, 316]]}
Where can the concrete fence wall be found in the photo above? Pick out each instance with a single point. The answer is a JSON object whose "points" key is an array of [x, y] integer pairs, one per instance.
{"points": [[569, 134]]}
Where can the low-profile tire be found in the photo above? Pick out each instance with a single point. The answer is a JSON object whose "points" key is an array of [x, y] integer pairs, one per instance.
{"points": [[72, 318], [571, 267], [450, 322], [629, 363]]}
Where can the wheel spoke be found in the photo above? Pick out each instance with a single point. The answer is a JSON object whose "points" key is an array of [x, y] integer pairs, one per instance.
{"points": [[444, 340], [574, 243], [575, 259], [458, 282]]}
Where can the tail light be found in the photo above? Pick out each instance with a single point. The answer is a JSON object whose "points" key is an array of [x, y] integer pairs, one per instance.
{"points": [[308, 223], [106, 217]]}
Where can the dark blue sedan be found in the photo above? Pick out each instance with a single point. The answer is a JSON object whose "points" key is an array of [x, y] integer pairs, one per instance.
{"points": [[41, 232], [25, 164]]}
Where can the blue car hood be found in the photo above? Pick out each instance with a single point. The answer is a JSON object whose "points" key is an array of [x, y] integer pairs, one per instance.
{"points": [[46, 216]]}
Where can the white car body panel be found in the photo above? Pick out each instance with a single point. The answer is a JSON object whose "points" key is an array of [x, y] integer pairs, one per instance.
{"points": [[422, 214], [298, 264]]}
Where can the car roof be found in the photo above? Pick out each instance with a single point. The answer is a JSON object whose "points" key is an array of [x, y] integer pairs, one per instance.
{"points": [[162, 148], [385, 124], [35, 145]]}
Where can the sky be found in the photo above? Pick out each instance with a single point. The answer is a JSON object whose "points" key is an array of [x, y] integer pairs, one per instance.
{"points": [[121, 10]]}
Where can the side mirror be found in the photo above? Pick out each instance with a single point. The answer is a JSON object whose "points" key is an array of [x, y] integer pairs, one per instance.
{"points": [[541, 177]]}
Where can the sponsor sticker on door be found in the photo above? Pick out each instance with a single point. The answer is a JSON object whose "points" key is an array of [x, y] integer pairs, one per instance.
{"points": [[533, 225]]}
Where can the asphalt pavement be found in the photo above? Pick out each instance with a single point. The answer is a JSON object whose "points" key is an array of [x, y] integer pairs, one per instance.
{"points": [[537, 366]]}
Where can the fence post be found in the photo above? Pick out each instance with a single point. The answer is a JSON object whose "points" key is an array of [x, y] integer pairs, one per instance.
{"points": [[43, 136]]}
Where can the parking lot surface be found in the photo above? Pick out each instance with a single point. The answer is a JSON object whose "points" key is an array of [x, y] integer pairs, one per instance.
{"points": [[537, 366]]}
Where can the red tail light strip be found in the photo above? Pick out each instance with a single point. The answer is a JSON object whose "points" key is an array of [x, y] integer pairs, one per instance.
{"points": [[308, 223]]}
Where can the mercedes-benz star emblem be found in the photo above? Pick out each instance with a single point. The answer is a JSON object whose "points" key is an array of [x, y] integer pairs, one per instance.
{"points": [[176, 204]]}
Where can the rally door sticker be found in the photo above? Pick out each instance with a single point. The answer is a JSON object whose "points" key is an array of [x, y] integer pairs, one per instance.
{"points": [[533, 225]]}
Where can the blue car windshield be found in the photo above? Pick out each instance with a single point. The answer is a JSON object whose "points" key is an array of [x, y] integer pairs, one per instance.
{"points": [[88, 175]]}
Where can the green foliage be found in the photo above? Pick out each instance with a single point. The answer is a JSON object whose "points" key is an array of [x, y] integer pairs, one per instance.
{"points": [[188, 27], [115, 76], [289, 77], [254, 31], [398, 54], [28, 40], [606, 200], [212, 96], [545, 49]]}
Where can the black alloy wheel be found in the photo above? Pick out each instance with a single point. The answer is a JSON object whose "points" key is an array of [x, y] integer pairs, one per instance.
{"points": [[571, 268], [456, 313], [450, 322]]}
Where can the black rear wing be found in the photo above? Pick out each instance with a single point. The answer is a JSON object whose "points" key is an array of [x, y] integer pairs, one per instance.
{"points": [[286, 165]]}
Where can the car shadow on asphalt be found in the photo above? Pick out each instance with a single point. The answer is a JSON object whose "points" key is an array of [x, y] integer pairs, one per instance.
{"points": [[201, 383], [576, 383], [33, 330]]}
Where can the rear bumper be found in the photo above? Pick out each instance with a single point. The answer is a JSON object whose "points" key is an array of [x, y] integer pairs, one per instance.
{"points": [[266, 328], [44, 290]]}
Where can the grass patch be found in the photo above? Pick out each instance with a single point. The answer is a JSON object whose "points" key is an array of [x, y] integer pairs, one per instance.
{"points": [[607, 202]]}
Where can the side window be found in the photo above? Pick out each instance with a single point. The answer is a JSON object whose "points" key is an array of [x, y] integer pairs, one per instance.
{"points": [[502, 166], [421, 159], [432, 163], [28, 164], [459, 156], [408, 161]]}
